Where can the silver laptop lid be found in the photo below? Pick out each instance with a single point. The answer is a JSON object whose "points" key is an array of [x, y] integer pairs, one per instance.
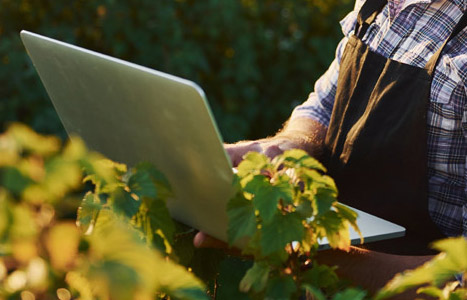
{"points": [[131, 114]]}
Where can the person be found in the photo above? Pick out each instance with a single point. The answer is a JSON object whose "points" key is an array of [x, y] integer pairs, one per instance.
{"points": [[389, 121]]}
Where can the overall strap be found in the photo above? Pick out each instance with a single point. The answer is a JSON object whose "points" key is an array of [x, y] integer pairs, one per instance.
{"points": [[431, 64], [367, 14]]}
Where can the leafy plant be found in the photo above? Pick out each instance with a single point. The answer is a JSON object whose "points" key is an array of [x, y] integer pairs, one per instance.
{"points": [[282, 209], [123, 221], [443, 269], [112, 237]]}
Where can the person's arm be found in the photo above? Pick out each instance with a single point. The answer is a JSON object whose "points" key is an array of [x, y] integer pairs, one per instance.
{"points": [[301, 133]]}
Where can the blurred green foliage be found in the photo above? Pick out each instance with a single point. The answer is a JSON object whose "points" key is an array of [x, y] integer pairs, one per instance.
{"points": [[255, 59], [126, 232]]}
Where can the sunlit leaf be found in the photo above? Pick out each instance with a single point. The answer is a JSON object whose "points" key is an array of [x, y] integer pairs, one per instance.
{"points": [[78, 282], [31, 141], [455, 249], [301, 157], [24, 249], [351, 216], [113, 240], [253, 162], [336, 230], [436, 271], [75, 149], [62, 245], [23, 225], [88, 211]]}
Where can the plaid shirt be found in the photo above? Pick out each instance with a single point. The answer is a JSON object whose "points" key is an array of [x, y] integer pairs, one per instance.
{"points": [[410, 32]]}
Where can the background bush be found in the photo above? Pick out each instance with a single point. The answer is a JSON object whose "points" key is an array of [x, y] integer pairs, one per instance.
{"points": [[255, 59]]}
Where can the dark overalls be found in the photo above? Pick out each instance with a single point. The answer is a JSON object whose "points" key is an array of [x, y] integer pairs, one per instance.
{"points": [[376, 144]]}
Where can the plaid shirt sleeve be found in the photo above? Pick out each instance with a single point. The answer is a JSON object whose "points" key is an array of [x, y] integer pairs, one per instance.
{"points": [[320, 102]]}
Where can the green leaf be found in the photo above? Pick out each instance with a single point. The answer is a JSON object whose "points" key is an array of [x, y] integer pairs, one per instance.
{"points": [[314, 291], [267, 196], [142, 185], [431, 291], [322, 276], [324, 199], [281, 230], [125, 203], [164, 189], [14, 181], [190, 293], [32, 141], [159, 217], [253, 162], [305, 208], [122, 279], [88, 211], [350, 294], [335, 229], [301, 157], [350, 215], [255, 278], [242, 218], [459, 294], [436, 271], [280, 288], [455, 249]]}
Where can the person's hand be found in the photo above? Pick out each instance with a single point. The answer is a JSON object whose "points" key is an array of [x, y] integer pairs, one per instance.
{"points": [[271, 147]]}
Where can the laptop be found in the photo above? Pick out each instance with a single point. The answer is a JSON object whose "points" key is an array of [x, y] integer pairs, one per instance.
{"points": [[132, 113]]}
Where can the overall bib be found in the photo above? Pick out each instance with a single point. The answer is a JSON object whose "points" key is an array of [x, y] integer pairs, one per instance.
{"points": [[376, 143]]}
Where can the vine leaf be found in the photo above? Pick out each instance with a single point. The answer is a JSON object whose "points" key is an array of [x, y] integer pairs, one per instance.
{"points": [[88, 212], [314, 291], [452, 261], [142, 185], [350, 294], [242, 218], [266, 196], [335, 229], [322, 276], [281, 230], [124, 202], [301, 157], [280, 288], [252, 162], [351, 216], [324, 200], [160, 218], [255, 278]]}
